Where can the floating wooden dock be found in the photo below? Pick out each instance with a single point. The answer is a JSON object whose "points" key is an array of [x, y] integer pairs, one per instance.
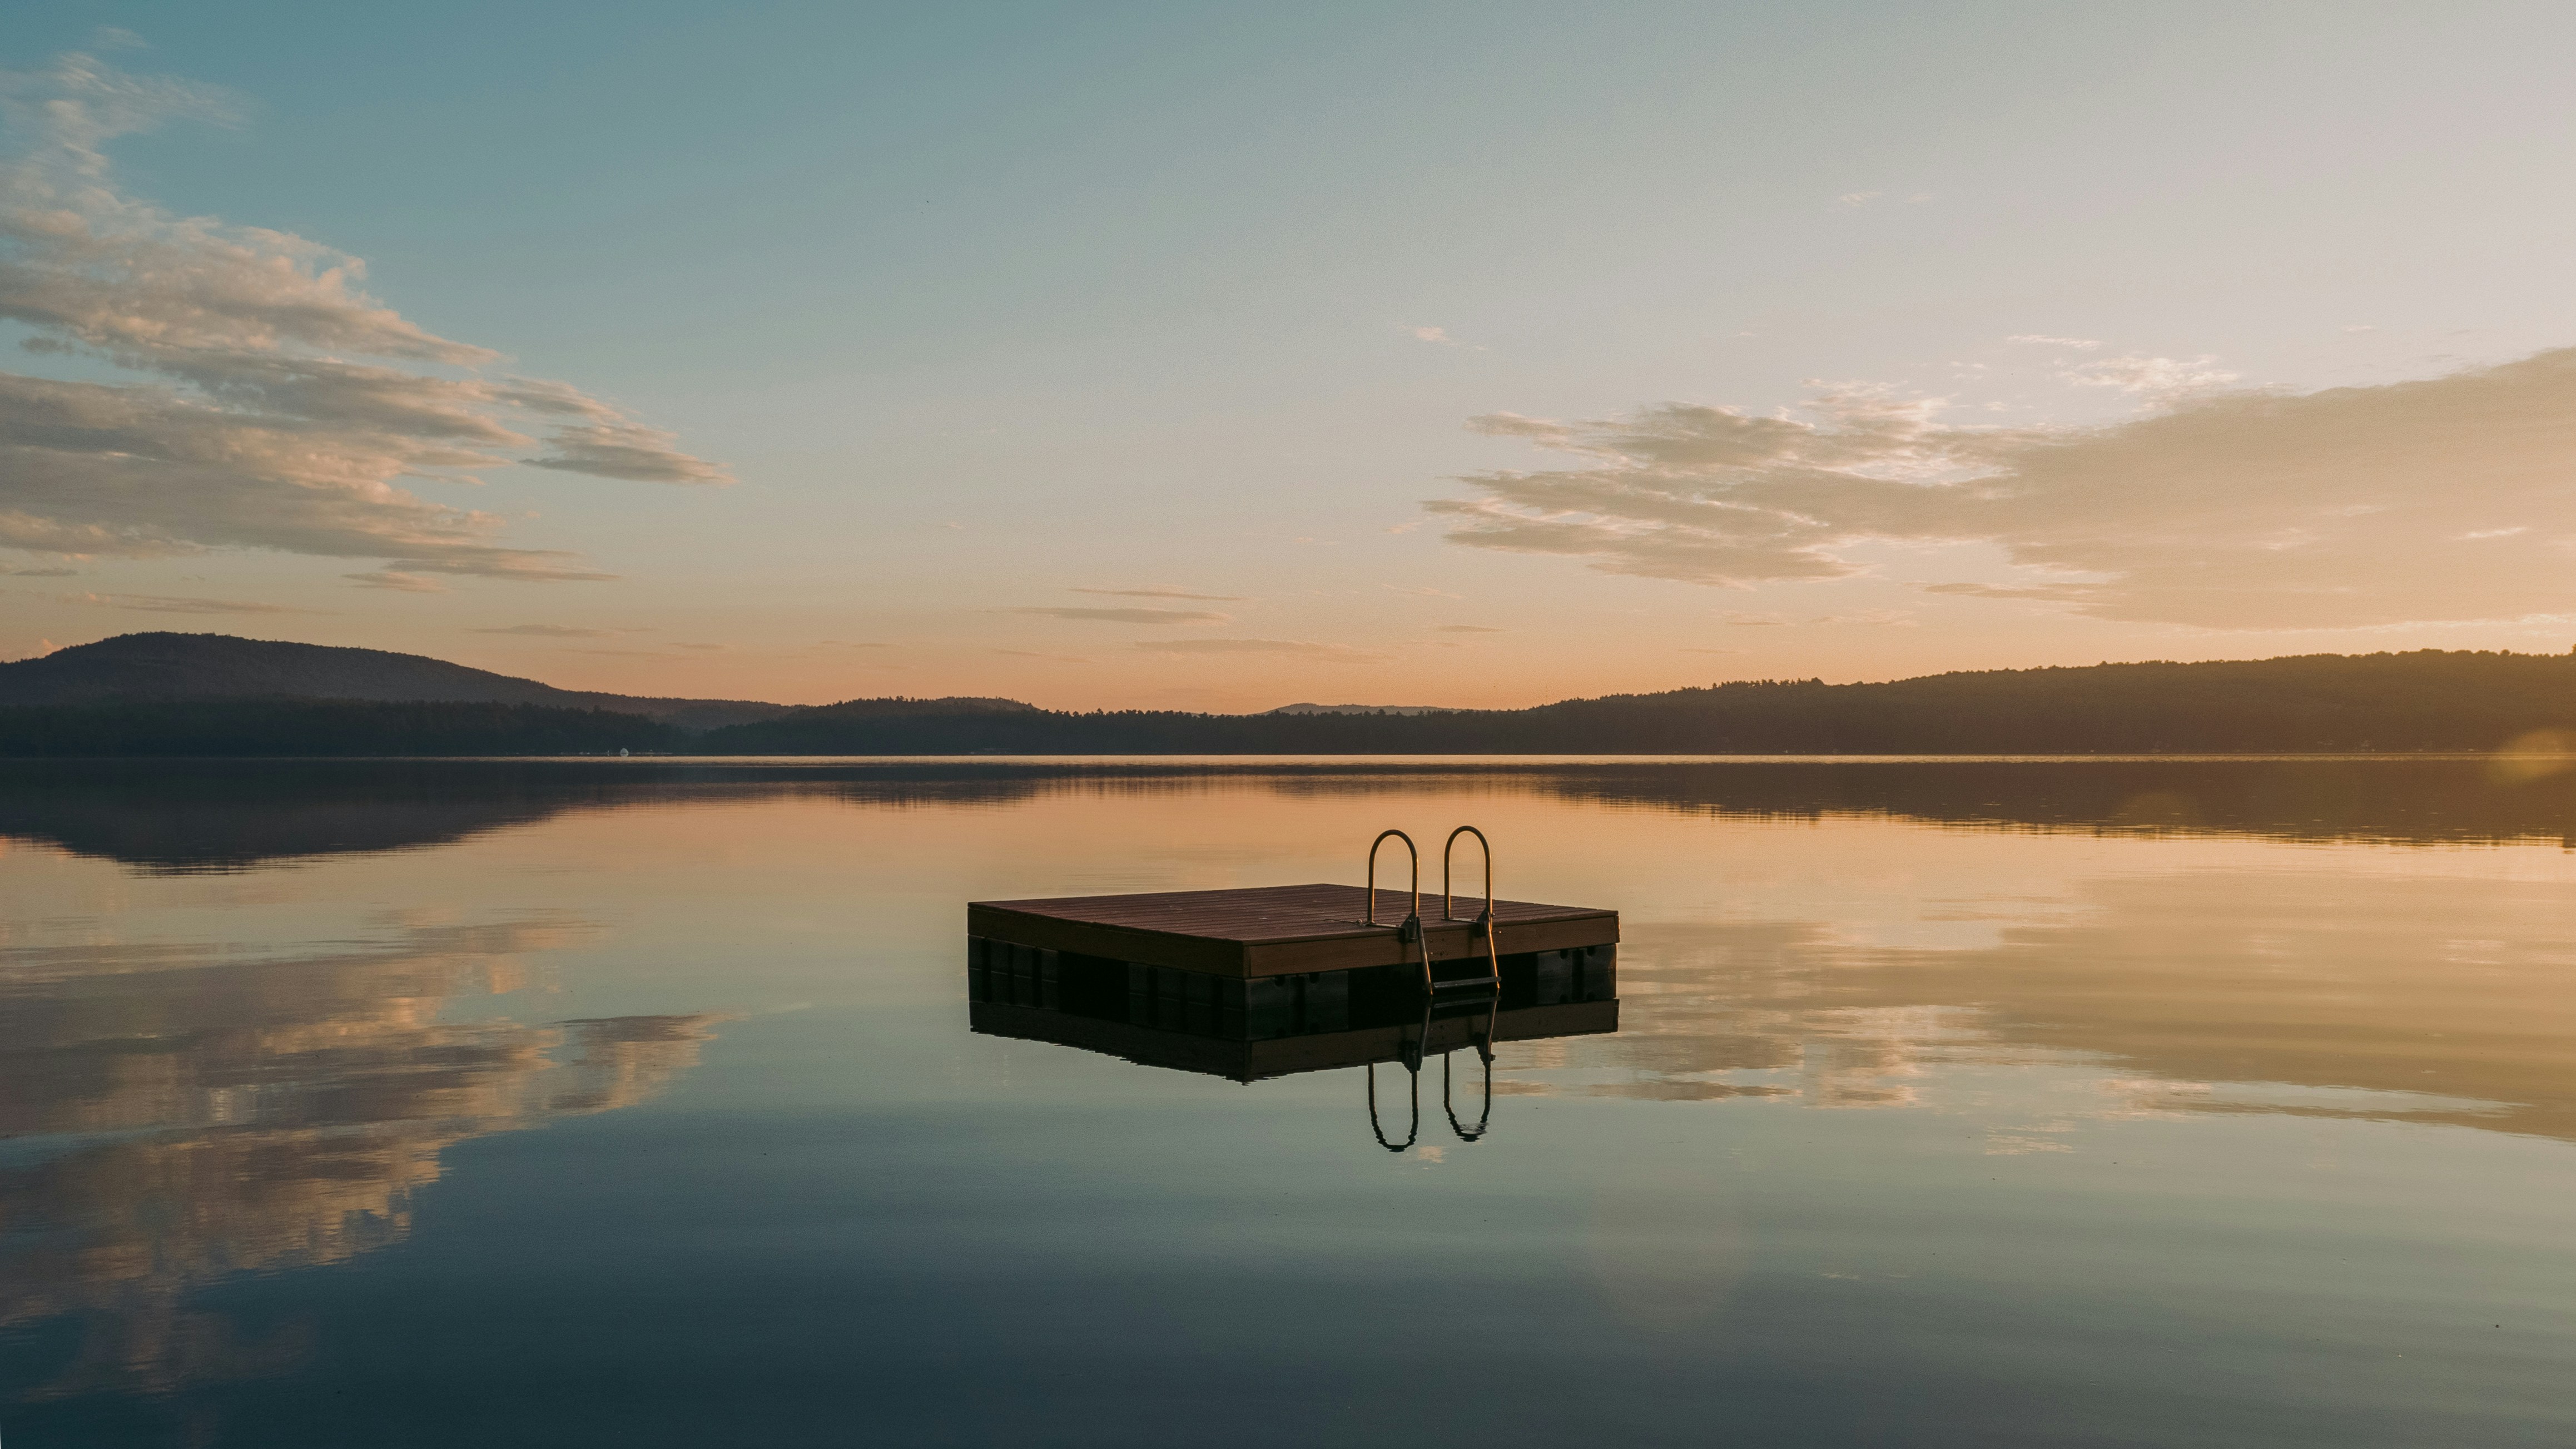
{"points": [[1266, 981], [1266, 931]]}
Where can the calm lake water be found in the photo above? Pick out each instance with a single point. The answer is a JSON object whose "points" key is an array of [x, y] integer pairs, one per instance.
{"points": [[1952, 1103]]}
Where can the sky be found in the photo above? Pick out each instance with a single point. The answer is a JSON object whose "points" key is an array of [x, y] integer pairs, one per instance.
{"points": [[1223, 356]]}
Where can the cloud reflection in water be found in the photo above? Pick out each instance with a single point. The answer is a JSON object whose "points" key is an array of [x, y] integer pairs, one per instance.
{"points": [[180, 1117]]}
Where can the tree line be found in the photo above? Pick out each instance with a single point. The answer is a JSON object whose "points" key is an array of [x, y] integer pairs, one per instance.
{"points": [[2426, 700]]}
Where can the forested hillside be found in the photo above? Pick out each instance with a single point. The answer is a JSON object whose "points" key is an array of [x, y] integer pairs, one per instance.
{"points": [[2426, 700]]}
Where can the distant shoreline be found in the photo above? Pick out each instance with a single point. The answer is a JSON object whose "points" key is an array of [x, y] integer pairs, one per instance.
{"points": [[1182, 762], [212, 696]]}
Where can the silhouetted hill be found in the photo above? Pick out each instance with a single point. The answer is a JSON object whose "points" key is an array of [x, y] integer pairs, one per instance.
{"points": [[1363, 709], [2426, 700], [166, 667], [176, 694]]}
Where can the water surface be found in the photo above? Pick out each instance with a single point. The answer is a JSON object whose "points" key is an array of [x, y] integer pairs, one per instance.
{"points": [[1953, 1103]]}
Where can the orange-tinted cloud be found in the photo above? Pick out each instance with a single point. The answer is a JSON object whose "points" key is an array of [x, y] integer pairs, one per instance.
{"points": [[2443, 499]]}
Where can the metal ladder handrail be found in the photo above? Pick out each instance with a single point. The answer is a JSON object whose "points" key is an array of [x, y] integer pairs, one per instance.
{"points": [[1484, 922], [1370, 916], [1411, 932], [1448, 903]]}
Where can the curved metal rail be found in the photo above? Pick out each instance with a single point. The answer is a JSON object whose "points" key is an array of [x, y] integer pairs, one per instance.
{"points": [[1448, 902], [1371, 916], [1492, 980]]}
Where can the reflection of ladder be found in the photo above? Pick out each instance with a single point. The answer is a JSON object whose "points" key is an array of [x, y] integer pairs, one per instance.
{"points": [[1447, 998]]}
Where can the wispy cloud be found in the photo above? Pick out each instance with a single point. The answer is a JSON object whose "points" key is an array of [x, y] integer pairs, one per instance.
{"points": [[1132, 616], [1158, 592], [1050, 658], [1331, 653], [164, 604], [402, 582], [2232, 510], [44, 573], [2081, 344], [551, 631], [1433, 334], [2154, 376], [1465, 629], [271, 402]]}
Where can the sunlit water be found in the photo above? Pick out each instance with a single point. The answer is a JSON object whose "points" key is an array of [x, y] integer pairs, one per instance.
{"points": [[2056, 1104]]}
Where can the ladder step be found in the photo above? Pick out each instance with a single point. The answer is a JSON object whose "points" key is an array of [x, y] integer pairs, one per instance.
{"points": [[1469, 983]]}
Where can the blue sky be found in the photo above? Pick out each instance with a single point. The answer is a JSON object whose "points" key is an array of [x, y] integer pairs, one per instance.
{"points": [[1015, 323]]}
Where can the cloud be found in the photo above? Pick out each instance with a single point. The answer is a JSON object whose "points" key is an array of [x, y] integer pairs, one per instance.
{"points": [[626, 450], [551, 631], [1433, 334], [1333, 653], [1163, 593], [41, 573], [1132, 616], [262, 398], [1858, 199], [163, 604], [2034, 593], [2155, 376], [2234, 510], [1465, 629], [405, 583], [1051, 658], [2041, 339]]}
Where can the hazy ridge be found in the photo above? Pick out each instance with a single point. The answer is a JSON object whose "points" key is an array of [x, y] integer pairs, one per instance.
{"points": [[173, 694]]}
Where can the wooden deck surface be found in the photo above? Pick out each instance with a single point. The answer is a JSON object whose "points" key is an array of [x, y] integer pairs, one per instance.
{"points": [[1276, 930]]}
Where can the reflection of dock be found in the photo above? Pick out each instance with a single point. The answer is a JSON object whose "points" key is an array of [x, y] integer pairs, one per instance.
{"points": [[1250, 1061]]}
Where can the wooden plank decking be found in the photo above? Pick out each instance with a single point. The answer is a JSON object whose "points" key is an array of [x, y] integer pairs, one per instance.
{"points": [[1276, 930]]}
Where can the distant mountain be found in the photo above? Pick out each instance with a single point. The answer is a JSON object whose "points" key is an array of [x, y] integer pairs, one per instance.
{"points": [[2430, 699], [177, 694], [134, 668], [1362, 709]]}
